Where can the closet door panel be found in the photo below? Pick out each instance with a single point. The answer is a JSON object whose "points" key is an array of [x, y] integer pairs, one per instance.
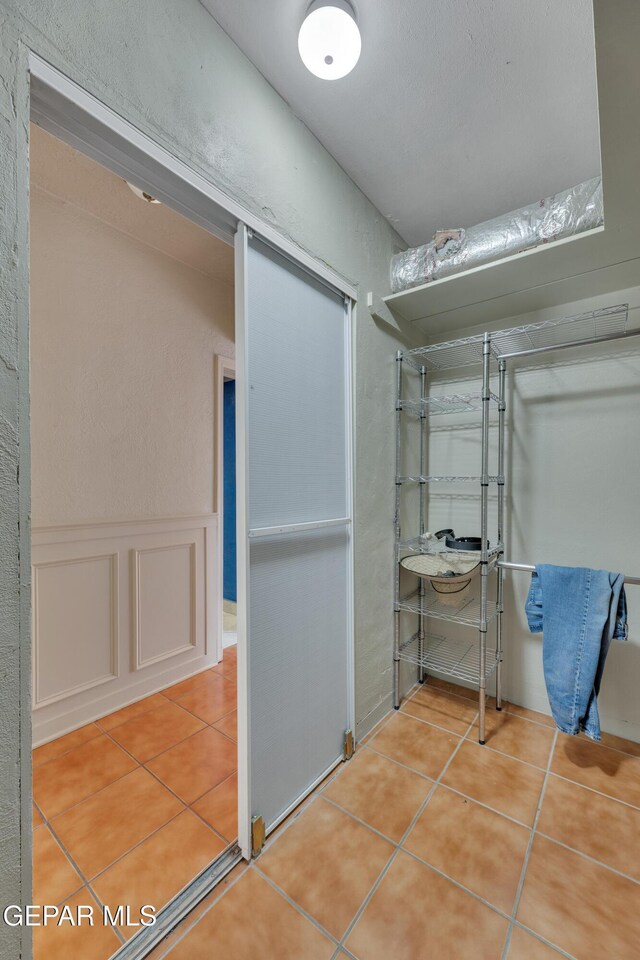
{"points": [[295, 643]]}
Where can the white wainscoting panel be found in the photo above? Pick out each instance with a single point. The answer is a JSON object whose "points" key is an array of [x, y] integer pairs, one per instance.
{"points": [[120, 610], [75, 625], [164, 602]]}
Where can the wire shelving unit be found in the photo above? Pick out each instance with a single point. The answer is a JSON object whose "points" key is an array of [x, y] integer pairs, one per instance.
{"points": [[474, 659]]}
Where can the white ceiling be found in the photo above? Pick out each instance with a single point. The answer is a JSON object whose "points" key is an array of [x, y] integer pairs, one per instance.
{"points": [[71, 176], [458, 110]]}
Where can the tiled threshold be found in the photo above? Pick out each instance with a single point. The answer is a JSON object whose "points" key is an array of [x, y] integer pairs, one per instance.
{"points": [[426, 845], [129, 809]]}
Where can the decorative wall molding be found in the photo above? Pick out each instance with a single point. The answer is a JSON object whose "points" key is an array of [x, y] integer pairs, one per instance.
{"points": [[53, 628], [119, 609], [157, 602]]}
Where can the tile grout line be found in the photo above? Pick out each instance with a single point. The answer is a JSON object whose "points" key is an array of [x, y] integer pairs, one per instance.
{"points": [[301, 910], [525, 865], [86, 882], [586, 856], [430, 723], [460, 793], [394, 855], [547, 726]]}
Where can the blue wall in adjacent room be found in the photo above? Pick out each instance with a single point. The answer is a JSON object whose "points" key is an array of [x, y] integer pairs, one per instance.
{"points": [[229, 518]]}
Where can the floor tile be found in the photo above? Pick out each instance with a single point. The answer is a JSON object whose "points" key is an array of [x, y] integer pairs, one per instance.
{"points": [[54, 878], [65, 781], [158, 869], [378, 791], [416, 914], [176, 934], [418, 745], [346, 860], [480, 849], [604, 829], [450, 687], [517, 737], [527, 714], [37, 817], [56, 748], [196, 765], [219, 807], [578, 905], [505, 784], [152, 733], [525, 947], [253, 921], [101, 829], [619, 743], [442, 708], [598, 767], [212, 700], [228, 725], [190, 685], [85, 942], [133, 710]]}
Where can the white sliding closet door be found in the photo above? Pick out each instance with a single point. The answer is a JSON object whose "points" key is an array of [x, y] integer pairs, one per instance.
{"points": [[295, 642]]}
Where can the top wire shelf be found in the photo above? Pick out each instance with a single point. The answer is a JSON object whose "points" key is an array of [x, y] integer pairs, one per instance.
{"points": [[610, 323]]}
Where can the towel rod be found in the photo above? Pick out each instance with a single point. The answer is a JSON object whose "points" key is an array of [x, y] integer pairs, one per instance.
{"points": [[529, 568]]}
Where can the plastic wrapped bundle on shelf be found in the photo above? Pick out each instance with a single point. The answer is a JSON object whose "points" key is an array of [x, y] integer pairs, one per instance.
{"points": [[451, 251]]}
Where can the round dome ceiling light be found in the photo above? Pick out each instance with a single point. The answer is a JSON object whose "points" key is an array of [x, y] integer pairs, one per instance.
{"points": [[329, 40], [141, 193]]}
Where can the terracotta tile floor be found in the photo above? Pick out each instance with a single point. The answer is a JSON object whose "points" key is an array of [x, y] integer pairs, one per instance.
{"points": [[427, 845], [129, 809], [424, 845]]}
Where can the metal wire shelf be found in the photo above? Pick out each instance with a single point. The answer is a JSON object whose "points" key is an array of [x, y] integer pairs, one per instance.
{"points": [[456, 403], [431, 546], [431, 479], [453, 658], [466, 612], [610, 323]]}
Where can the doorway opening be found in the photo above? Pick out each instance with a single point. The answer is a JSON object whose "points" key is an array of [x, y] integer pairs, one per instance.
{"points": [[134, 683], [289, 308]]}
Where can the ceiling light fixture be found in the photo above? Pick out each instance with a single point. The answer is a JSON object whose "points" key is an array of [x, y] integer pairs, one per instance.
{"points": [[329, 40]]}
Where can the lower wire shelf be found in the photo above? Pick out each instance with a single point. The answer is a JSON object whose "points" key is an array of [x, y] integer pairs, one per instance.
{"points": [[466, 612], [452, 658]]}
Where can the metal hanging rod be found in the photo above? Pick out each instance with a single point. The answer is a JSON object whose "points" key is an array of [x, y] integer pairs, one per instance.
{"points": [[529, 568]]}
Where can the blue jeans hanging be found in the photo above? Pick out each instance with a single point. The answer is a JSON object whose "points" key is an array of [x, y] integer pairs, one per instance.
{"points": [[580, 611]]}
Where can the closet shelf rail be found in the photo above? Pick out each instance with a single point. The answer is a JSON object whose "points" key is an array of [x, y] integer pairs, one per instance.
{"points": [[595, 326], [529, 568]]}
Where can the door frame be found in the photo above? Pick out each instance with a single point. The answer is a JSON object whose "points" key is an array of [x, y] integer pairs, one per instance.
{"points": [[225, 370], [64, 108]]}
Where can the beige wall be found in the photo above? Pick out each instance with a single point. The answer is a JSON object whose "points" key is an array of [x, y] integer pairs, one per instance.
{"points": [[123, 339]]}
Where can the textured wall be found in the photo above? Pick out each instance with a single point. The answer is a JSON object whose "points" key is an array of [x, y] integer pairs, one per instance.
{"points": [[123, 340], [168, 68]]}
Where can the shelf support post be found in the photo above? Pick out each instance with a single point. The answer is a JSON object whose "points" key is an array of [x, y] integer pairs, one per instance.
{"points": [[502, 370], [423, 488], [397, 534], [484, 529]]}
